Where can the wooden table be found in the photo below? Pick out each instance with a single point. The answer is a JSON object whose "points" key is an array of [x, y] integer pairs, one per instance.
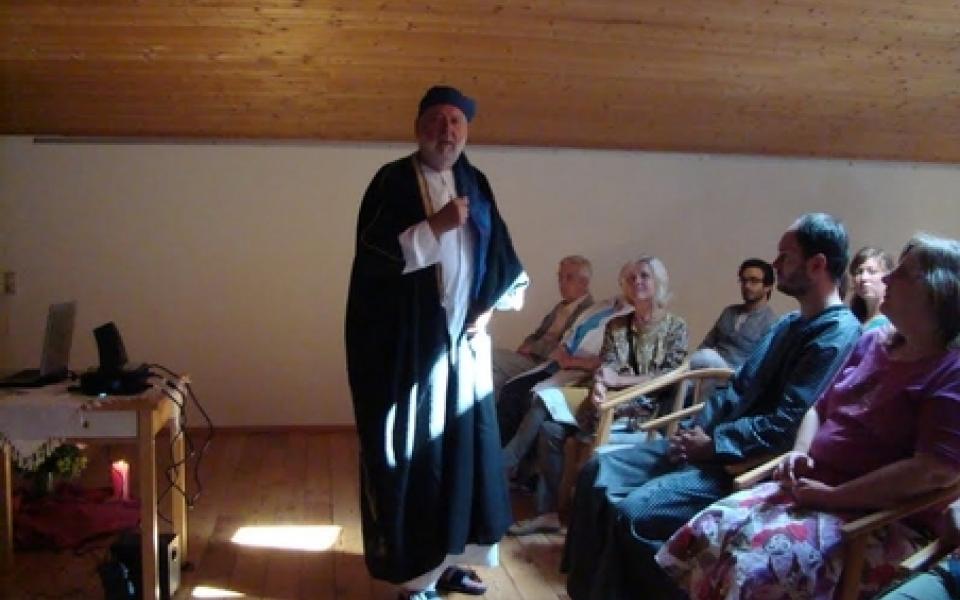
{"points": [[137, 419]]}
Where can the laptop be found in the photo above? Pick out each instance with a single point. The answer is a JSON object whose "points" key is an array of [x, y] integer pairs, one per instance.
{"points": [[56, 350]]}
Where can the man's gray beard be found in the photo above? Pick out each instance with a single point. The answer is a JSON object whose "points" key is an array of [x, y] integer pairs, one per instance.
{"points": [[439, 161]]}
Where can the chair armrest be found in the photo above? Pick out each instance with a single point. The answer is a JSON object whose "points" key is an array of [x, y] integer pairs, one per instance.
{"points": [[869, 523], [655, 384], [615, 398], [751, 477], [681, 414], [925, 557], [676, 376], [681, 373]]}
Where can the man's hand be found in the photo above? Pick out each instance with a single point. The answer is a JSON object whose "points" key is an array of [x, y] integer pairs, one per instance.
{"points": [[561, 357], [452, 215], [691, 445], [568, 361], [598, 392], [675, 451], [792, 467], [609, 377], [524, 349]]}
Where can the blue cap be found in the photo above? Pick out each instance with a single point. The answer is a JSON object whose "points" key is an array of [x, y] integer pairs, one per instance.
{"points": [[443, 94]]}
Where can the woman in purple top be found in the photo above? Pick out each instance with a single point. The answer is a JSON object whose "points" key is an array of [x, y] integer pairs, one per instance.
{"points": [[888, 428]]}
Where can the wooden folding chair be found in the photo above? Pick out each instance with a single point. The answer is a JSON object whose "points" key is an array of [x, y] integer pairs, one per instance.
{"points": [[577, 449]]}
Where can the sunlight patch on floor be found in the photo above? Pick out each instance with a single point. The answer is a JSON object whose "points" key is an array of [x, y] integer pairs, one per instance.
{"points": [[311, 538], [203, 591]]}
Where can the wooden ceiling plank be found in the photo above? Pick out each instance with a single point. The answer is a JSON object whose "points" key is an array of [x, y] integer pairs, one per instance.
{"points": [[848, 78]]}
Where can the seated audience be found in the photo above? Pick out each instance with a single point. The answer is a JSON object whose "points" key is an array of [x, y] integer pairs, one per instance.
{"points": [[629, 500], [573, 278], [573, 362], [942, 582], [636, 347], [886, 430], [867, 269], [740, 326]]}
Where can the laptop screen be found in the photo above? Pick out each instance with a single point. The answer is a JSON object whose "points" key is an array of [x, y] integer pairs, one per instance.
{"points": [[58, 339]]}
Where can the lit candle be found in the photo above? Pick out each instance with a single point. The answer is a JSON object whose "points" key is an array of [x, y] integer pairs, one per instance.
{"points": [[120, 477]]}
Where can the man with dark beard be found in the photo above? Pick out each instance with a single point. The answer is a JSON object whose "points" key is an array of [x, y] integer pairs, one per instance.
{"points": [[629, 501], [433, 258]]}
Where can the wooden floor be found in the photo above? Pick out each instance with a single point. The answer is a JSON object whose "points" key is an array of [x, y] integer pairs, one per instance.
{"points": [[264, 479]]}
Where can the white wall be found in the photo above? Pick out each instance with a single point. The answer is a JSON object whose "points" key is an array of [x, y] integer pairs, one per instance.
{"points": [[231, 261]]}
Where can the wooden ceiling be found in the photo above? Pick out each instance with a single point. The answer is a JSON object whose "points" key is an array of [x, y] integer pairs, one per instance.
{"points": [[845, 78]]}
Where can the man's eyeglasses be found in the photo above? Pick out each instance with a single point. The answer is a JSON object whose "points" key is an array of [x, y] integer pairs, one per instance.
{"points": [[750, 280]]}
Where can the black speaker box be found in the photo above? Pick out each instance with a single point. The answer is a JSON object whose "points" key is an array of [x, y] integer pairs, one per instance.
{"points": [[126, 551], [110, 347]]}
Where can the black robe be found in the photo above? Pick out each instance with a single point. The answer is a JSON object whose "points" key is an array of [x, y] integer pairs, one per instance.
{"points": [[422, 498]]}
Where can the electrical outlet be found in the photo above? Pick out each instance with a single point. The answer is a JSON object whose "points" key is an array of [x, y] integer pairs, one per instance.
{"points": [[10, 283]]}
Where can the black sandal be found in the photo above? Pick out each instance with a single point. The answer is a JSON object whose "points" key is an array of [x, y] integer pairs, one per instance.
{"points": [[462, 580]]}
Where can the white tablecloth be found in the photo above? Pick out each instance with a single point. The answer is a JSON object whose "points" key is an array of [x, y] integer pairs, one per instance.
{"points": [[33, 422]]}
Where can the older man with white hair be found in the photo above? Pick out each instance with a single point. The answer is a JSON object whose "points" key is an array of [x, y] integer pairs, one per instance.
{"points": [[433, 258], [573, 280]]}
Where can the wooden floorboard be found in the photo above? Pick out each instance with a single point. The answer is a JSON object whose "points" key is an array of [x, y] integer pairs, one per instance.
{"points": [[286, 478], [209, 534]]}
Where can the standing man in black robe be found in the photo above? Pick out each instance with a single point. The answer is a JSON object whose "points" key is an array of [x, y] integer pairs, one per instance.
{"points": [[433, 258]]}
